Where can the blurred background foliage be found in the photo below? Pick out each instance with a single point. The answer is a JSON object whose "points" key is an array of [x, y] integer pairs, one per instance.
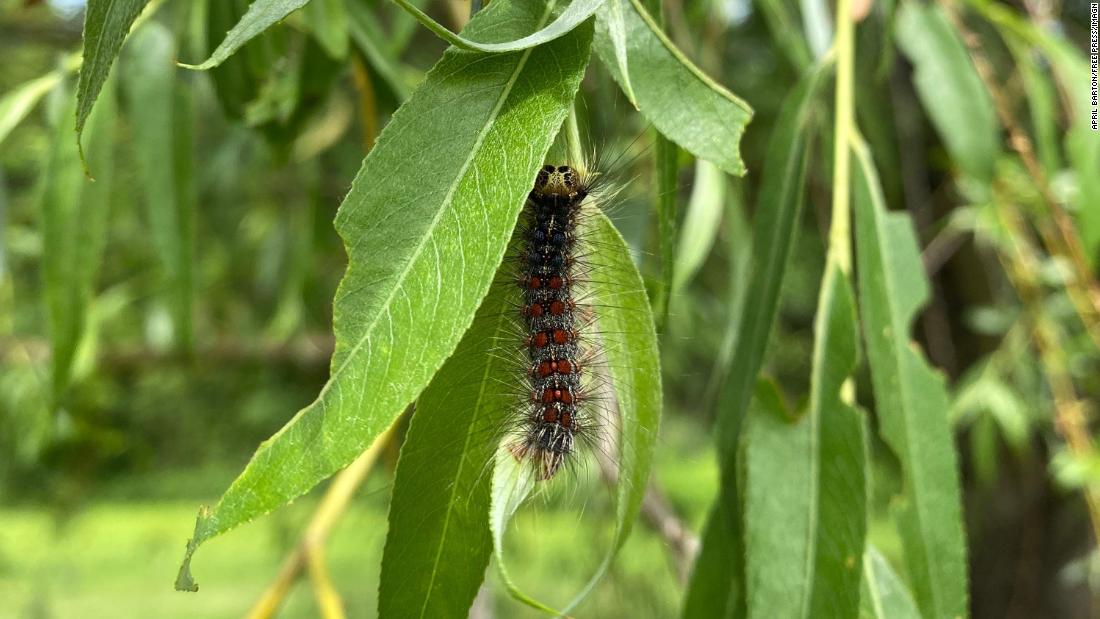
{"points": [[207, 317]]}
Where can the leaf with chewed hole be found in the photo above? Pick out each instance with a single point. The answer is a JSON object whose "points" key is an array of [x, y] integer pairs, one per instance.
{"points": [[910, 398], [425, 225], [805, 480], [685, 104]]}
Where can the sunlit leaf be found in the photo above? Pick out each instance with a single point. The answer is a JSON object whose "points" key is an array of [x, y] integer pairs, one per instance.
{"points": [[425, 225], [685, 104], [700, 228], [883, 594], [261, 15], [15, 105]]}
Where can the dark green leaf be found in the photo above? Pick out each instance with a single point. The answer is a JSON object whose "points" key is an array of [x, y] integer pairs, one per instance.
{"points": [[911, 399], [74, 227], [438, 544], [717, 578], [426, 224], [106, 23], [685, 104], [161, 132], [948, 85], [666, 158]]}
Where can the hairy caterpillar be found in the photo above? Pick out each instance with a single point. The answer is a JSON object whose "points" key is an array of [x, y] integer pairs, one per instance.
{"points": [[548, 274]]}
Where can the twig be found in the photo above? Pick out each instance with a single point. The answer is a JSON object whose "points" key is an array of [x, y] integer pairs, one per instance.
{"points": [[1022, 268], [1084, 293], [309, 554]]}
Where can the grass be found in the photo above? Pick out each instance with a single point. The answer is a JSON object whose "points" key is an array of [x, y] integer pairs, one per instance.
{"points": [[117, 556]]}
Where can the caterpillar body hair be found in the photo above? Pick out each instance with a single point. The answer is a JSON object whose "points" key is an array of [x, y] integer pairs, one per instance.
{"points": [[556, 414]]}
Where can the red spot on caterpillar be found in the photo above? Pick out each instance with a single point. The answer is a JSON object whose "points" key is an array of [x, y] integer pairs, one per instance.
{"points": [[544, 369], [560, 336], [534, 283], [550, 414], [557, 308], [541, 339], [566, 420], [556, 282], [565, 367], [534, 310]]}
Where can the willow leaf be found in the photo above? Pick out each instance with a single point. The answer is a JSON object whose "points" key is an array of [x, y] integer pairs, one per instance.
{"points": [[438, 544], [717, 577], [625, 324], [571, 17], [74, 227], [805, 481], [883, 594], [15, 105], [106, 23], [425, 225], [911, 399], [685, 104]]}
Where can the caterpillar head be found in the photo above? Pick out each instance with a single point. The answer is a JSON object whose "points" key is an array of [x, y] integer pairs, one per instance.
{"points": [[560, 182]]}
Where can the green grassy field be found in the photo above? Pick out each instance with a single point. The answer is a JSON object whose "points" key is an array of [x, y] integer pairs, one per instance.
{"points": [[117, 557]]}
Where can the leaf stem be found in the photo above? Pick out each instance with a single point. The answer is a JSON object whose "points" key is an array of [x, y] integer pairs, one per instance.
{"points": [[840, 230], [310, 550]]}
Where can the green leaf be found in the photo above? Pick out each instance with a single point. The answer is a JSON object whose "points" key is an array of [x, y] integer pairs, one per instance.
{"points": [[949, 88], [367, 34], [15, 105], [624, 323], [106, 23], [438, 544], [666, 159], [261, 15], [700, 228], [162, 131], [425, 225], [611, 25], [911, 400], [328, 20], [571, 17], [883, 594], [74, 228], [717, 579], [685, 104], [805, 481]]}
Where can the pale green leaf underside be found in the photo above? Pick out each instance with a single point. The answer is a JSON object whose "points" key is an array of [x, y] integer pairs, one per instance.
{"points": [[425, 225], [883, 594], [261, 15], [716, 576], [16, 104], [911, 399], [805, 481], [684, 104], [624, 324], [701, 222], [567, 20]]}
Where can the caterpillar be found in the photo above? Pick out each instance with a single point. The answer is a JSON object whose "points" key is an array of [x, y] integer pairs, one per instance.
{"points": [[555, 415]]}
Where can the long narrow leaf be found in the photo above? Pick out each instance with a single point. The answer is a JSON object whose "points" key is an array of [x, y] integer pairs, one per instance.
{"points": [[573, 15], [911, 399], [685, 104], [883, 594], [106, 23], [15, 105], [425, 225], [718, 571]]}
